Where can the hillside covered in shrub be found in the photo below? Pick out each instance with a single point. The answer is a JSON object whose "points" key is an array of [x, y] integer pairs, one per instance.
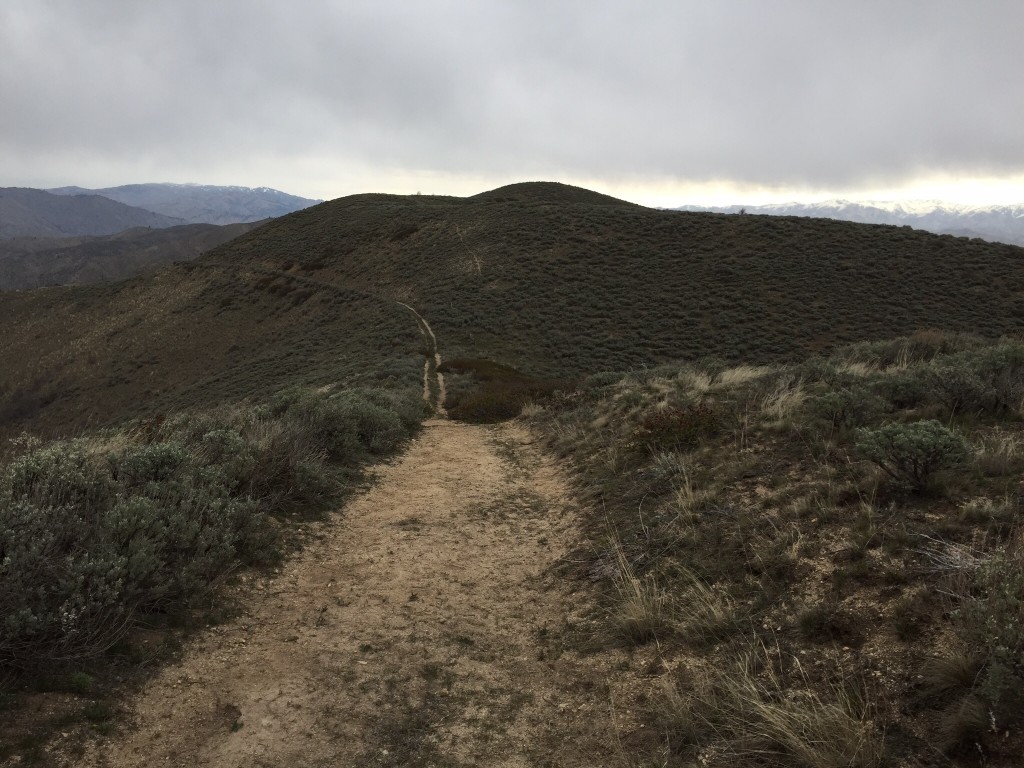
{"points": [[803, 510], [552, 280], [824, 558]]}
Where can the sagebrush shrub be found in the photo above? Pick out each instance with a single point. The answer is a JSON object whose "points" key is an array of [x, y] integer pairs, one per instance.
{"points": [[60, 473], [407, 406], [912, 453], [1002, 368], [346, 425], [151, 463], [377, 427], [902, 389], [846, 408], [988, 380], [990, 619], [57, 598], [93, 533], [956, 385], [87, 541]]}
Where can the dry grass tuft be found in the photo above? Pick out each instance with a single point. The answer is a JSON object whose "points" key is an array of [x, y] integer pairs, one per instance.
{"points": [[531, 410], [642, 609], [752, 711], [999, 454], [853, 368], [741, 374], [957, 672], [695, 382], [783, 401], [964, 724], [704, 614]]}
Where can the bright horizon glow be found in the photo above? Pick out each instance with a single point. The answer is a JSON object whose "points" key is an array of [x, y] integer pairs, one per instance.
{"points": [[307, 179], [977, 191], [669, 193]]}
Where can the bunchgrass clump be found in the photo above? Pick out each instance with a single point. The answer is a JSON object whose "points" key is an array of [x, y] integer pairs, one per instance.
{"points": [[641, 610], [754, 711]]}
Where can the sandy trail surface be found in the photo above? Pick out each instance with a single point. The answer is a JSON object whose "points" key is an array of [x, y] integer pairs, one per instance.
{"points": [[424, 625]]}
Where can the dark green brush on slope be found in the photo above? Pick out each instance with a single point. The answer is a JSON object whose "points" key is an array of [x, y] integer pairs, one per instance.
{"points": [[552, 280]]}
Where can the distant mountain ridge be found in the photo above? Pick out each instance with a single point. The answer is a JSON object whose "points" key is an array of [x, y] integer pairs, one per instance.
{"points": [[201, 203], [35, 213], [997, 223]]}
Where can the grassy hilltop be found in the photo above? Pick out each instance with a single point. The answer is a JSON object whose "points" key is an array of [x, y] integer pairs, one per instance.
{"points": [[551, 279]]}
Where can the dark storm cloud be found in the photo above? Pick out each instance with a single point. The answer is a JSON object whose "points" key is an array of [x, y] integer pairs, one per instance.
{"points": [[816, 93]]}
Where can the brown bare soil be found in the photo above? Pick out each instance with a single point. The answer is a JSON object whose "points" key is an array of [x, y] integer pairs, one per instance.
{"points": [[425, 625]]}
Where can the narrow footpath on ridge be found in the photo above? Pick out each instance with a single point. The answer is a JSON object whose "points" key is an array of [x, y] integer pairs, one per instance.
{"points": [[434, 393], [426, 624], [431, 365]]}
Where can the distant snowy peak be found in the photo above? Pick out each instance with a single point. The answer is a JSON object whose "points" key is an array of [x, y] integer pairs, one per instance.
{"points": [[915, 207], [202, 203], [998, 223], [211, 188]]}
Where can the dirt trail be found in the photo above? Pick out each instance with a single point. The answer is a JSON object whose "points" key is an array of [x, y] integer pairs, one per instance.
{"points": [[432, 359], [431, 363], [470, 251], [423, 626]]}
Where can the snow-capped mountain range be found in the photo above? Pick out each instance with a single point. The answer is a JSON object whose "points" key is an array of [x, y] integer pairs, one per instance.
{"points": [[201, 203], [997, 223]]}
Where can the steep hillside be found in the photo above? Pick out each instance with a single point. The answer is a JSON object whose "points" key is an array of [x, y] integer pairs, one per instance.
{"points": [[35, 213], [34, 262], [201, 203], [550, 279]]}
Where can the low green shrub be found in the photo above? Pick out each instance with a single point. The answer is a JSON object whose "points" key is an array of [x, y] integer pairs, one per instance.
{"points": [[76, 564], [346, 425], [988, 380], [94, 533], [1002, 368], [902, 389], [956, 384], [990, 620], [376, 426], [912, 453], [63, 473], [846, 408]]}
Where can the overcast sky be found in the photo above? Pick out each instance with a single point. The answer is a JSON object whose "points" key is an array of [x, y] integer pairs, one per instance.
{"points": [[657, 101]]}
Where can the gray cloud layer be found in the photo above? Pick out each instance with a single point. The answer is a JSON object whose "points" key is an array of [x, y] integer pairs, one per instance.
{"points": [[783, 92]]}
